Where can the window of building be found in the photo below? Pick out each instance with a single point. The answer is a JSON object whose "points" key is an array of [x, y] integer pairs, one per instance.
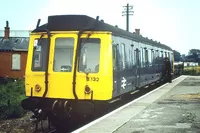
{"points": [[16, 61]]}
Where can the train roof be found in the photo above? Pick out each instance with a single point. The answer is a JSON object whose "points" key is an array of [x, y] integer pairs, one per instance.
{"points": [[80, 22]]}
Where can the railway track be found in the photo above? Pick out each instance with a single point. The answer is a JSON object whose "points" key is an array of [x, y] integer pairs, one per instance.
{"points": [[78, 124]]}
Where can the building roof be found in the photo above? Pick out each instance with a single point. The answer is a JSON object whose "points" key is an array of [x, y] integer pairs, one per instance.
{"points": [[80, 22], [14, 44], [18, 40]]}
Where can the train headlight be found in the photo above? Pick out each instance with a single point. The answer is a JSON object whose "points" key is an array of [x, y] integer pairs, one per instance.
{"points": [[38, 88], [87, 90]]}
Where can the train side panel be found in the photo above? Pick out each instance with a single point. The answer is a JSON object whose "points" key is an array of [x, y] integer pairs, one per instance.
{"points": [[136, 64]]}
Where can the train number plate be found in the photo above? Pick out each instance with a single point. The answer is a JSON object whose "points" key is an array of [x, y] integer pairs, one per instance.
{"points": [[95, 79]]}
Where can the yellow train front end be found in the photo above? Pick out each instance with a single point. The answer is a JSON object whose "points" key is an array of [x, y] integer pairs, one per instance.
{"points": [[93, 74], [69, 68]]}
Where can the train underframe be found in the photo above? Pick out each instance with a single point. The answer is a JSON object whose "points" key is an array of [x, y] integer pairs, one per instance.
{"points": [[59, 112]]}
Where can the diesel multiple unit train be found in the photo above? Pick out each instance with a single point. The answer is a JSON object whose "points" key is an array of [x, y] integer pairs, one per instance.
{"points": [[76, 62]]}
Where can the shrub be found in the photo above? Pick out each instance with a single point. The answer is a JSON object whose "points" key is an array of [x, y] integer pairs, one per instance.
{"points": [[190, 72], [11, 94]]}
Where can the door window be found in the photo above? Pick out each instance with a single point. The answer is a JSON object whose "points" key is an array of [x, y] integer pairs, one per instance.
{"points": [[63, 54]]}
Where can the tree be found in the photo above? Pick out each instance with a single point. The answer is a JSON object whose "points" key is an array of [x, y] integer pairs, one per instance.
{"points": [[194, 51], [177, 56], [193, 55]]}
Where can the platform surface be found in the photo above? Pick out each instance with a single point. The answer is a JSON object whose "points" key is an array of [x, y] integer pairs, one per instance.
{"points": [[172, 108]]}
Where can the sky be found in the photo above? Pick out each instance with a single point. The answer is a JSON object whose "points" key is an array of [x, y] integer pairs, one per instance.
{"points": [[172, 22]]}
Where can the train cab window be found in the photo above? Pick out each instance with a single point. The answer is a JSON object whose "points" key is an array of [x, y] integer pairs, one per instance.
{"points": [[39, 54], [89, 55], [63, 54]]}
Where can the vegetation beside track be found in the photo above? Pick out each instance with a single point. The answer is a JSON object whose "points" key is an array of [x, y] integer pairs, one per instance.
{"points": [[11, 94]]}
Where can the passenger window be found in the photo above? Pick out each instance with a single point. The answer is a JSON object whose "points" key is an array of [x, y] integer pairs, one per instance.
{"points": [[137, 57], [146, 57], [150, 56], [161, 54], [63, 54], [157, 53], [165, 54], [141, 57], [114, 51], [132, 56], [172, 56], [123, 55]]}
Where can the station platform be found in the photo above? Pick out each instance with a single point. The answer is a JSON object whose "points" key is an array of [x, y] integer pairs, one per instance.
{"points": [[171, 108]]}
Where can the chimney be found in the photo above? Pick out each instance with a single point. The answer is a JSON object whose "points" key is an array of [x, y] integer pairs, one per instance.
{"points": [[7, 31], [137, 31]]}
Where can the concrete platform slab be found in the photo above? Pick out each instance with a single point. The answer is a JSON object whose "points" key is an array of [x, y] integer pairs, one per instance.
{"points": [[178, 111], [149, 113]]}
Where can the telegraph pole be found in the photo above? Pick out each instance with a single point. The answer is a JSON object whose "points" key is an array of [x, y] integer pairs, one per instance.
{"points": [[127, 11]]}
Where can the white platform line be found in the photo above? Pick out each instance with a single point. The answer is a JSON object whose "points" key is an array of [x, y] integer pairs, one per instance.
{"points": [[118, 109]]}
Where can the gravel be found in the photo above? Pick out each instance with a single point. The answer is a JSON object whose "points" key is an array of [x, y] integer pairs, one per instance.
{"points": [[19, 125]]}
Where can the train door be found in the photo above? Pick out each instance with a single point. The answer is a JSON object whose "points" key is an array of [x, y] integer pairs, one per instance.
{"points": [[116, 70], [61, 68], [120, 81], [138, 67]]}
